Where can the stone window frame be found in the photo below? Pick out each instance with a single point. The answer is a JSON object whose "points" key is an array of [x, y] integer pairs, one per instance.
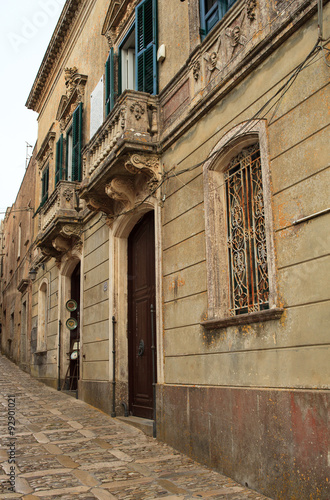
{"points": [[229, 146]]}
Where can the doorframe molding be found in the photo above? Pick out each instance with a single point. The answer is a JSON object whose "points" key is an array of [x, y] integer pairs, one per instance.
{"points": [[119, 233]]}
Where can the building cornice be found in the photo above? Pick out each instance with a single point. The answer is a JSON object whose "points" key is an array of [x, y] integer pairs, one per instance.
{"points": [[63, 27]]}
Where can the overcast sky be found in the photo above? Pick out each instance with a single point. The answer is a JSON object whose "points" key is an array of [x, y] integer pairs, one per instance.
{"points": [[26, 28]]}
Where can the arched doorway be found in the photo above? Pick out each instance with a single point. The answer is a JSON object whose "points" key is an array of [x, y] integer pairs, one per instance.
{"points": [[141, 295], [73, 342]]}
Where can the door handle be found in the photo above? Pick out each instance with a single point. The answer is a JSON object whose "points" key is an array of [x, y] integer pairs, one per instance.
{"points": [[141, 348]]}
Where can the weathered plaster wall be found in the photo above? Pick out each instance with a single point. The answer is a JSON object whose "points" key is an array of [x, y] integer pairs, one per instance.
{"points": [[226, 389], [273, 353], [44, 364], [96, 286], [16, 250]]}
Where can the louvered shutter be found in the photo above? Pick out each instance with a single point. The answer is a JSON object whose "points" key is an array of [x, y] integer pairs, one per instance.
{"points": [[59, 160], [146, 46], [109, 83], [76, 143], [44, 185]]}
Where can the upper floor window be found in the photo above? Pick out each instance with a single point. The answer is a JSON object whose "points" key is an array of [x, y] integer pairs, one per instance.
{"points": [[211, 11], [44, 185], [137, 56], [71, 149]]}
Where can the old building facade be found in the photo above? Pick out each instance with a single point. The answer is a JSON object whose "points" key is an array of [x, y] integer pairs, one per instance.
{"points": [[16, 286], [180, 215]]}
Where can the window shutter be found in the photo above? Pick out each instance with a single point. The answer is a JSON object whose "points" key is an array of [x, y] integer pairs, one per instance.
{"points": [[76, 143], [109, 83], [59, 160], [44, 185], [146, 46]]}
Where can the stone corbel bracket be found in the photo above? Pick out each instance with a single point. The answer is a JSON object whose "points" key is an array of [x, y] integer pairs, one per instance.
{"points": [[146, 164]]}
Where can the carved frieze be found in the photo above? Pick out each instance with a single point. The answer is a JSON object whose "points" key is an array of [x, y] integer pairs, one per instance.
{"points": [[235, 35], [251, 6], [196, 70], [212, 58]]}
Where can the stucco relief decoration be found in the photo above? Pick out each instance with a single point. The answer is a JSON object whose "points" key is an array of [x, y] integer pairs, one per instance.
{"points": [[251, 9], [213, 58], [74, 94], [68, 194], [137, 109], [196, 70], [129, 9], [236, 36], [121, 189]]}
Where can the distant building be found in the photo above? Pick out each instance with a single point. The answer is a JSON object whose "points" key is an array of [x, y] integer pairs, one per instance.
{"points": [[16, 257], [180, 228]]}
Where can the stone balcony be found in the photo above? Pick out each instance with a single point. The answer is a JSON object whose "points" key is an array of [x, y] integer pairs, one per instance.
{"points": [[124, 146], [59, 220]]}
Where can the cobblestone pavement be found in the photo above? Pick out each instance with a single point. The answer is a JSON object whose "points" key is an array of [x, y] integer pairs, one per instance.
{"points": [[64, 448]]}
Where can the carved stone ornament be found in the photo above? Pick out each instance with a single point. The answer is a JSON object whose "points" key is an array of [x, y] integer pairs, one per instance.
{"points": [[110, 36], [137, 109], [148, 164], [251, 9], [196, 69], [213, 58], [61, 244], [236, 36], [75, 90], [69, 75], [70, 230], [121, 189], [46, 150], [68, 194]]}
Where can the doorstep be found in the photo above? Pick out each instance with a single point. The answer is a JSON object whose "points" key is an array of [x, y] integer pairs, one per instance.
{"points": [[143, 424]]}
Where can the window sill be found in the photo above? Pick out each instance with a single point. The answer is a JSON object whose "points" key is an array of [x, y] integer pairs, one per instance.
{"points": [[244, 319]]}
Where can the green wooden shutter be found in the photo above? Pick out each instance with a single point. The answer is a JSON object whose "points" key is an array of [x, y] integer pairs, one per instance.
{"points": [[146, 46], [76, 143], [59, 160], [109, 83], [44, 186]]}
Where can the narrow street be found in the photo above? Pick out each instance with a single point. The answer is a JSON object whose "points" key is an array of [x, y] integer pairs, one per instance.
{"points": [[60, 447]]}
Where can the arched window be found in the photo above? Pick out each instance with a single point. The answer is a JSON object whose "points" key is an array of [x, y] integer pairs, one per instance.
{"points": [[42, 317], [239, 228]]}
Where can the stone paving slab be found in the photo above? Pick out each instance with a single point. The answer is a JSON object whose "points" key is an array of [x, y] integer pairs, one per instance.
{"points": [[62, 448]]}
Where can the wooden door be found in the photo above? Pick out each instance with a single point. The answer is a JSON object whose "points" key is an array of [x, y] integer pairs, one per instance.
{"points": [[141, 295]]}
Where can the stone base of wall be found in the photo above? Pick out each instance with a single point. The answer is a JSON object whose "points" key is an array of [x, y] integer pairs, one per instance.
{"points": [[100, 394], [273, 441]]}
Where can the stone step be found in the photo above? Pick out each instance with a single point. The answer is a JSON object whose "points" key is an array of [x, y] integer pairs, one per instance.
{"points": [[143, 424]]}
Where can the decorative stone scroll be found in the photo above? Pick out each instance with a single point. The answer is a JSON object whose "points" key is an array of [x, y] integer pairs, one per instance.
{"points": [[121, 189], [75, 89], [148, 164]]}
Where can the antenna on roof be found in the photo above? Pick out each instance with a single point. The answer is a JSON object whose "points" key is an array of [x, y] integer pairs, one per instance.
{"points": [[27, 154]]}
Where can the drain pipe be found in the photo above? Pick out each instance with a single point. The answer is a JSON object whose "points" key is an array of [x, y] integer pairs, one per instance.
{"points": [[153, 352], [113, 414], [59, 356]]}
